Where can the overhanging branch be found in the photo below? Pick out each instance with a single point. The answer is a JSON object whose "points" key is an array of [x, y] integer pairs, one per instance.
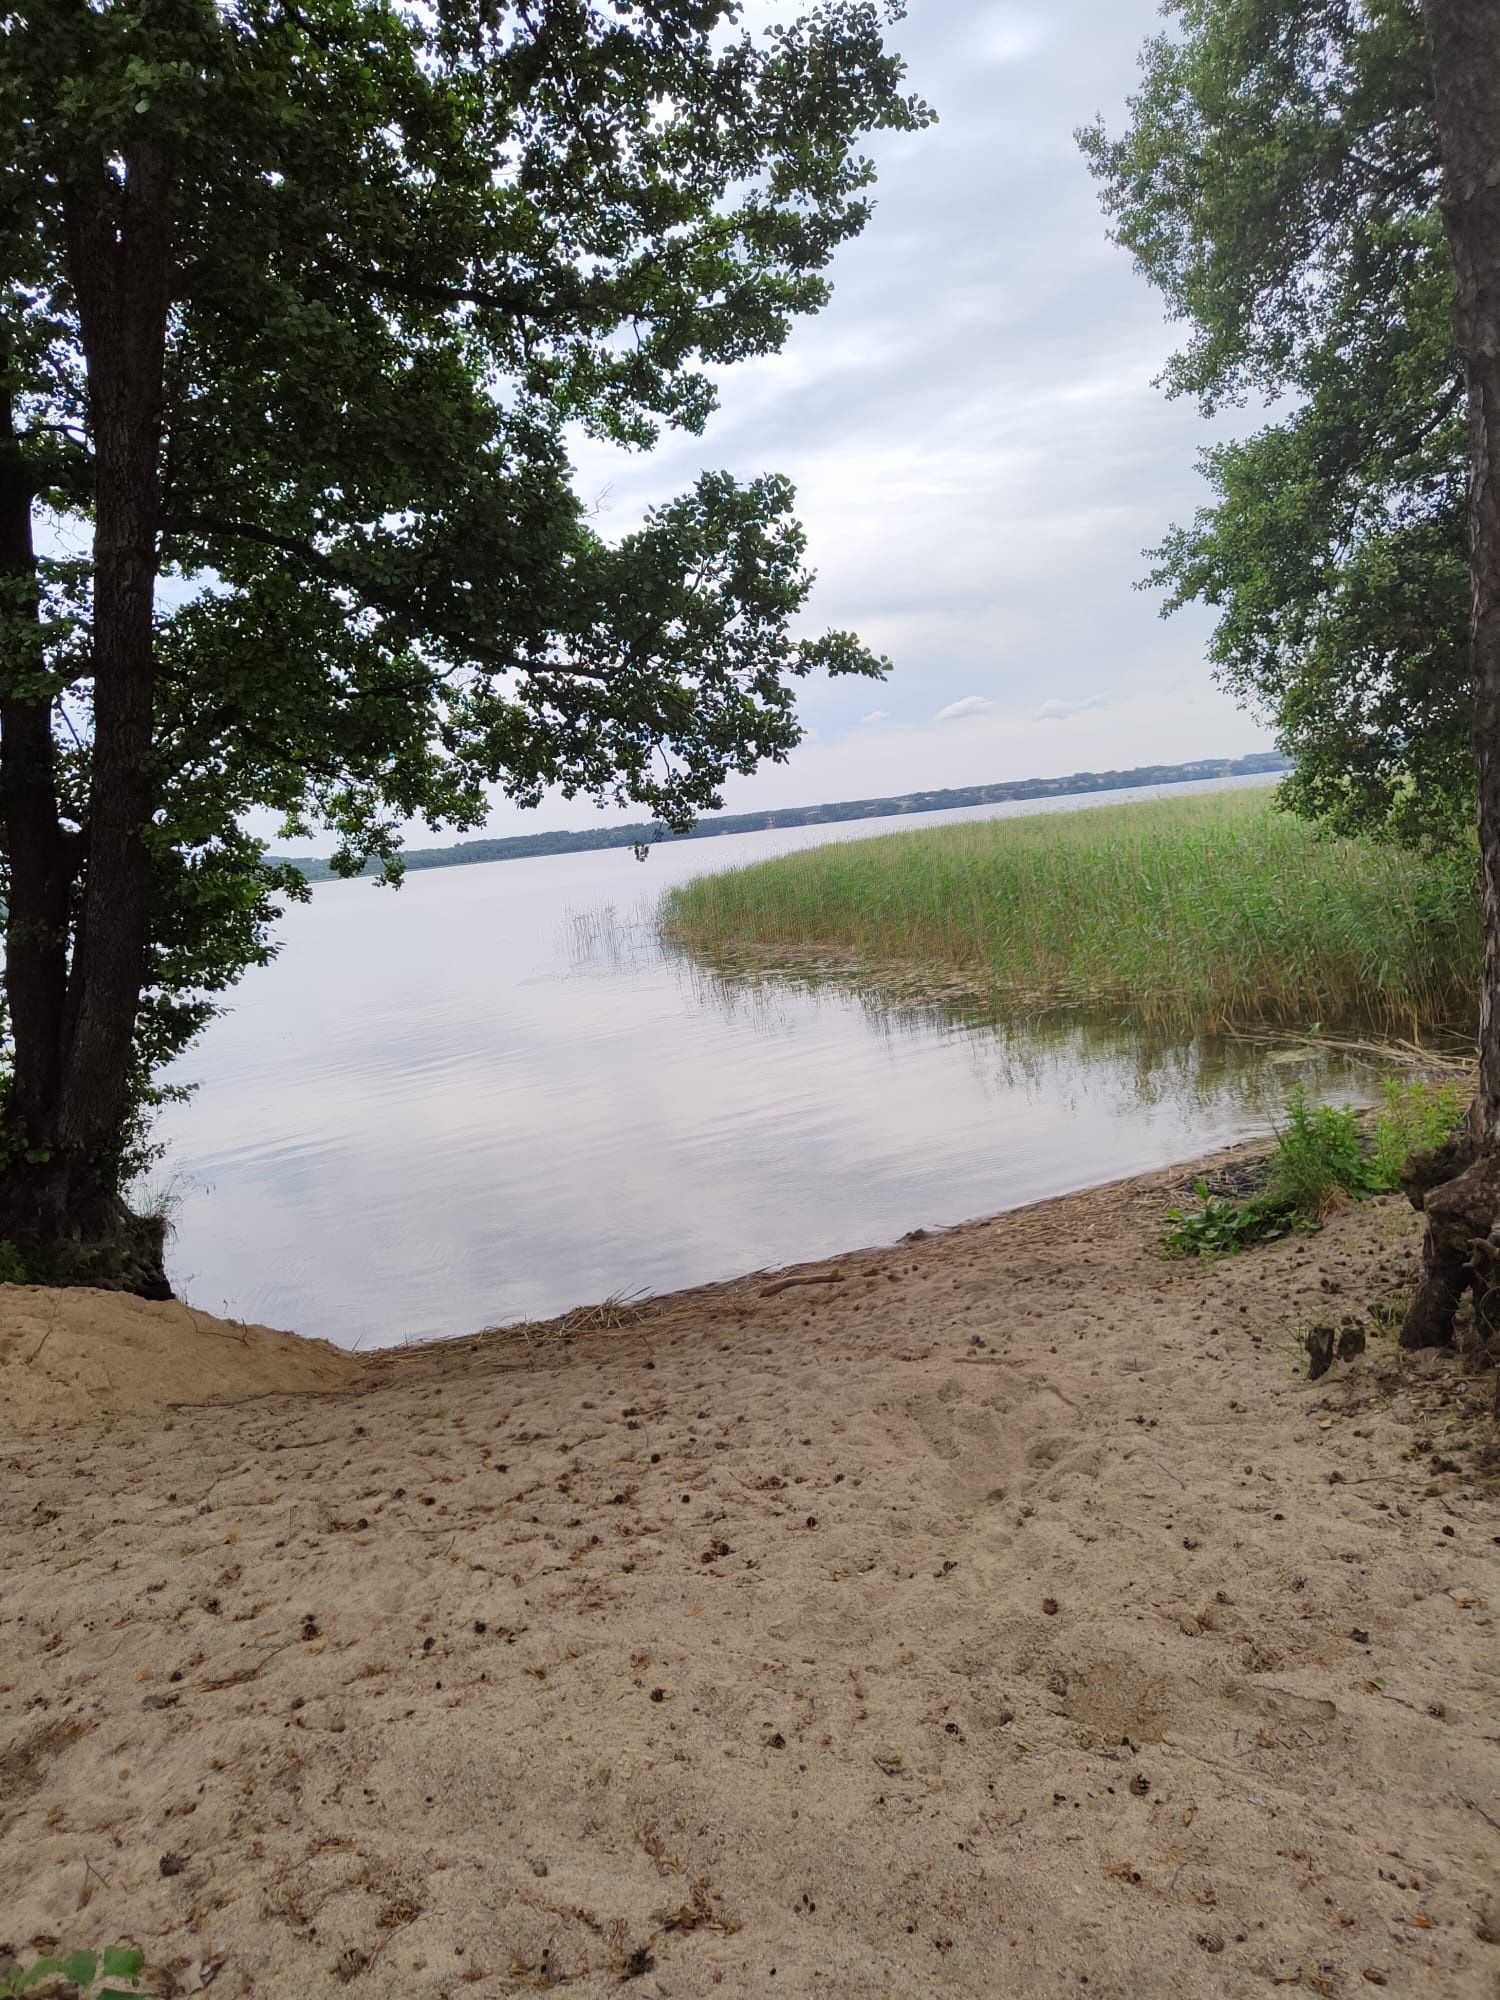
{"points": [[400, 605]]}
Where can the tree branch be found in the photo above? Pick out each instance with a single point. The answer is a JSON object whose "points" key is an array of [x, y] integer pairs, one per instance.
{"points": [[398, 605]]}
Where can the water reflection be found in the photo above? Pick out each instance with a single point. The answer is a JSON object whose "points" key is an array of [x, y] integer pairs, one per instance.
{"points": [[1009, 1048], [494, 1096], [1035, 1050]]}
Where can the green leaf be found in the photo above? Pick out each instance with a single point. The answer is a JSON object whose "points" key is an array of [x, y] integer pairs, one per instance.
{"points": [[36, 1972], [1277, 182], [389, 600], [81, 1967], [123, 1962]]}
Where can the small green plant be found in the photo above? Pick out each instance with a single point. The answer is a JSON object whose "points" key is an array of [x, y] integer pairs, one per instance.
{"points": [[1218, 1226], [1413, 1115], [12, 1264], [82, 1969], [1321, 1158]]}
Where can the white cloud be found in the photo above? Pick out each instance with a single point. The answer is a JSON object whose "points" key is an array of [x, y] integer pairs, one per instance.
{"points": [[1059, 711], [980, 454], [1143, 726]]}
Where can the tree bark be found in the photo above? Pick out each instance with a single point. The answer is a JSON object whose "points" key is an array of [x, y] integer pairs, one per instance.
{"points": [[119, 237], [38, 868], [74, 1015], [1463, 41]]}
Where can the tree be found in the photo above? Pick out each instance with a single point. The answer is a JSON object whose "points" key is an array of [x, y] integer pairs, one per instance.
{"points": [[1315, 185], [1279, 184], [1462, 1246], [300, 300]]}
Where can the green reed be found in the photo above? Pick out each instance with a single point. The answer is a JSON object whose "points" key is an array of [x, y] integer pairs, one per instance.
{"points": [[1215, 910]]}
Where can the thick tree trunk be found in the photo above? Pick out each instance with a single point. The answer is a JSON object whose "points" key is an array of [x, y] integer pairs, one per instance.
{"points": [[36, 929], [1463, 38], [119, 255], [74, 1021]]}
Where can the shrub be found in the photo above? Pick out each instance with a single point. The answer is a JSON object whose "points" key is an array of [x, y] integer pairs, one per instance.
{"points": [[1413, 1115], [1321, 1158]]}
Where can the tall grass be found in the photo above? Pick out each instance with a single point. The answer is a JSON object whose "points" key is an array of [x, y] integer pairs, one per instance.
{"points": [[1209, 911]]}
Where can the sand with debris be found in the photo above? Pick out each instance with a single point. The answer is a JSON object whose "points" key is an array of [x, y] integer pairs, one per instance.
{"points": [[998, 1613]]}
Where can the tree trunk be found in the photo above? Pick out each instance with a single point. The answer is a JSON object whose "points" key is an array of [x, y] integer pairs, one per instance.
{"points": [[74, 1023], [1463, 40], [36, 929], [119, 257]]}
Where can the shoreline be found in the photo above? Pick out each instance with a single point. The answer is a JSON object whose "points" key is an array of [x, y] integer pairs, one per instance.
{"points": [[56, 1345], [985, 1612], [67, 1355], [1044, 792]]}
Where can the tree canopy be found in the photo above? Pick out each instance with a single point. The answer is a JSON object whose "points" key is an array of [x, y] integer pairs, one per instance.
{"points": [[302, 302], [1279, 184]]}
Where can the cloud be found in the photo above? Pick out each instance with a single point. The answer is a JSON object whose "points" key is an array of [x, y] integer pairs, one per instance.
{"points": [[1142, 727], [1059, 711], [877, 715], [979, 450]]}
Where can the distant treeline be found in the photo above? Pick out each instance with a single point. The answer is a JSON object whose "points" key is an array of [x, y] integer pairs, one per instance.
{"points": [[647, 833]]}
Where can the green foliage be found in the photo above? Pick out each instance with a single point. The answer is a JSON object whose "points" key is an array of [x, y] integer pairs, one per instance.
{"points": [[81, 1969], [12, 1264], [1219, 1226], [1322, 1157], [413, 248], [1413, 1116], [1187, 913], [1278, 183], [1319, 1159]]}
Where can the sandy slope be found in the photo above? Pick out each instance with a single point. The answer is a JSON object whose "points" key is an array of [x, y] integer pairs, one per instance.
{"points": [[82, 1356], [1008, 1617]]}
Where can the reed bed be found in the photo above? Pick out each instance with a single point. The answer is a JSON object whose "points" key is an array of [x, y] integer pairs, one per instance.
{"points": [[1213, 911]]}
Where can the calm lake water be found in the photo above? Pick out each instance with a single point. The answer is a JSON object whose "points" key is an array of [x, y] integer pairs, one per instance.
{"points": [[491, 1096]]}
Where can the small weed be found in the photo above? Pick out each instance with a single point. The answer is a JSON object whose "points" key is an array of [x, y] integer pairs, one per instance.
{"points": [[81, 1969], [1321, 1158], [1218, 1226], [12, 1264], [1388, 1315], [1413, 1115]]}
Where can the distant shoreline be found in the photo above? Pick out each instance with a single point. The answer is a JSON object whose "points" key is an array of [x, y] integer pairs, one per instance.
{"points": [[651, 833]]}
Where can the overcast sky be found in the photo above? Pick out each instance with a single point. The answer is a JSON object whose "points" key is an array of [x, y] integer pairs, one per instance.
{"points": [[979, 452]]}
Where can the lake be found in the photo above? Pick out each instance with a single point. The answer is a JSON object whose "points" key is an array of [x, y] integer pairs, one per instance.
{"points": [[492, 1096]]}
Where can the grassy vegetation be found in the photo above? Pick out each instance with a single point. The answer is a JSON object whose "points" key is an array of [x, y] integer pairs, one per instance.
{"points": [[1212, 911], [1322, 1157]]}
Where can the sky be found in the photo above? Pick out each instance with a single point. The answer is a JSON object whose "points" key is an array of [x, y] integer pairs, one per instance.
{"points": [[980, 454]]}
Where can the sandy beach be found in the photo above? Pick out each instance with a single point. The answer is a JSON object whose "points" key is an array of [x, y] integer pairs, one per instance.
{"points": [[1001, 1612]]}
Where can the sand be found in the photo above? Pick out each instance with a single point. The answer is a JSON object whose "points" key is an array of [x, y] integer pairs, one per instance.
{"points": [[85, 1357], [1008, 1616]]}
